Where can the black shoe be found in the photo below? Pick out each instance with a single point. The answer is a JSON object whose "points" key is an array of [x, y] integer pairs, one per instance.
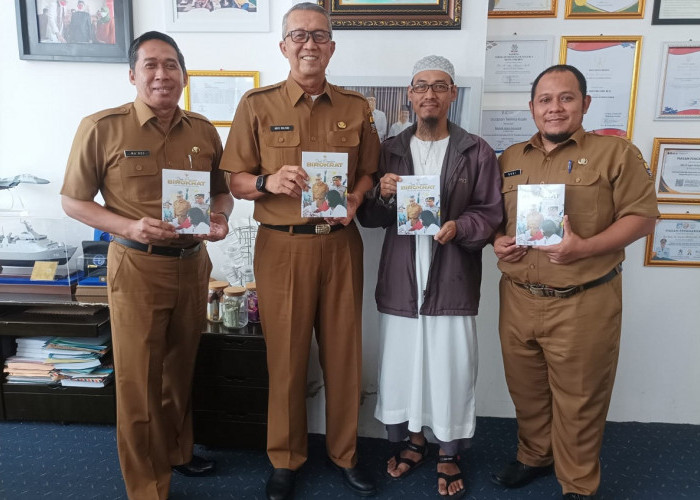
{"points": [[280, 484], [517, 474], [576, 496], [198, 466], [358, 481]]}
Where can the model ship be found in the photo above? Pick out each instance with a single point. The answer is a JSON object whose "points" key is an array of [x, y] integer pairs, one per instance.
{"points": [[29, 246]]}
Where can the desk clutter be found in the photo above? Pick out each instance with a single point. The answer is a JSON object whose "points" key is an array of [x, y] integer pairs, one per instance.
{"points": [[66, 361]]}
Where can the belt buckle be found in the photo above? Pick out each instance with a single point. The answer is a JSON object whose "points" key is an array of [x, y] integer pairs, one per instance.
{"points": [[322, 228], [536, 289]]}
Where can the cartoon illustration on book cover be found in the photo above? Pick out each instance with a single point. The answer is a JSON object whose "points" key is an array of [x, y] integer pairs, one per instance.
{"points": [[186, 200], [326, 189], [418, 205]]}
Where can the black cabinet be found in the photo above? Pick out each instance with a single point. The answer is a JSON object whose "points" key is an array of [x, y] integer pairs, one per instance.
{"points": [[230, 388], [50, 316]]}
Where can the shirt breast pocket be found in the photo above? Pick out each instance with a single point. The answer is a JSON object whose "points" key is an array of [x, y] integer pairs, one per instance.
{"points": [[345, 141], [582, 190], [281, 148], [141, 180]]}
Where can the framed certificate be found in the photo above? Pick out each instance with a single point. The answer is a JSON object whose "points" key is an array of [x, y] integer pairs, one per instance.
{"points": [[679, 85], [675, 241], [502, 128], [513, 63], [611, 67], [604, 9], [522, 8], [215, 94], [676, 12], [675, 164]]}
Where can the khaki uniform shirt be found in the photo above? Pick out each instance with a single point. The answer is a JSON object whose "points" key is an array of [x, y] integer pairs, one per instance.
{"points": [[121, 152], [274, 124], [609, 180]]}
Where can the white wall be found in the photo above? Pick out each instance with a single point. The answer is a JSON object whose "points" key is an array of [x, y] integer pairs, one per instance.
{"points": [[43, 102]]}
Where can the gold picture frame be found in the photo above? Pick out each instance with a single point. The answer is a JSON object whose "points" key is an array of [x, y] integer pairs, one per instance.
{"points": [[675, 165], [612, 57], [675, 241], [537, 8], [389, 14], [215, 94], [587, 9]]}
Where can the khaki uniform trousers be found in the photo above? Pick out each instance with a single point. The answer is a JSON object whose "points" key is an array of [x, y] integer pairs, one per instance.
{"points": [[560, 358], [158, 310], [311, 282]]}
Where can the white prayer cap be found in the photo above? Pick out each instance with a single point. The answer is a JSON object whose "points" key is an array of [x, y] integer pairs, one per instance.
{"points": [[429, 63]]}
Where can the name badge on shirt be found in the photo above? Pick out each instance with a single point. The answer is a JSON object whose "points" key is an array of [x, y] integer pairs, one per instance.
{"points": [[281, 128], [135, 152], [511, 173]]}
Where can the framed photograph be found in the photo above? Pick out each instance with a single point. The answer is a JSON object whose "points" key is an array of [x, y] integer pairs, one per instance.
{"points": [[675, 164], [393, 15], [217, 16], [675, 12], [502, 128], [513, 63], [679, 85], [77, 30], [522, 8], [675, 242], [392, 109], [611, 67], [216, 94], [604, 9]]}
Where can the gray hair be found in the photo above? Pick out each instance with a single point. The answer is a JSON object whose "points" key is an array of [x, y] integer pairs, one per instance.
{"points": [[314, 7]]}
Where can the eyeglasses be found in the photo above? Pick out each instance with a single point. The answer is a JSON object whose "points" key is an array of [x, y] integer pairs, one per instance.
{"points": [[438, 88], [302, 36]]}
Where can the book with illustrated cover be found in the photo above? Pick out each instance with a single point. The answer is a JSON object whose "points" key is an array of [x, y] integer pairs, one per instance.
{"points": [[326, 191], [186, 200], [418, 204], [540, 213]]}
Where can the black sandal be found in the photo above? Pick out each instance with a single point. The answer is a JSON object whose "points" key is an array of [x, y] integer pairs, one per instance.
{"points": [[451, 478], [412, 464]]}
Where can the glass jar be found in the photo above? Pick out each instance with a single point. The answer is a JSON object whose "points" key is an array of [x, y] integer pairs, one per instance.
{"points": [[252, 293], [235, 309], [214, 297]]}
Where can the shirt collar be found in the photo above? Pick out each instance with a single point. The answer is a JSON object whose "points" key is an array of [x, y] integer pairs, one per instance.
{"points": [[535, 141], [295, 93], [144, 113]]}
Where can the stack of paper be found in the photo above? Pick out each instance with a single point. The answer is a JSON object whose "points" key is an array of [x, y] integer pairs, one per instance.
{"points": [[31, 364], [79, 360], [98, 377]]}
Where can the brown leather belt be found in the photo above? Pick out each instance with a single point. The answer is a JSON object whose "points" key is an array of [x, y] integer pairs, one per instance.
{"points": [[541, 290], [306, 228], [167, 251]]}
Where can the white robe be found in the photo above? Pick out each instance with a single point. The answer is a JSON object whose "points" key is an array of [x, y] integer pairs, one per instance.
{"points": [[428, 365]]}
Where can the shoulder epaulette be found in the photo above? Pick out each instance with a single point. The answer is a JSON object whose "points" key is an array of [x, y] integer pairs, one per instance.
{"points": [[344, 91], [192, 114], [266, 88], [121, 110]]}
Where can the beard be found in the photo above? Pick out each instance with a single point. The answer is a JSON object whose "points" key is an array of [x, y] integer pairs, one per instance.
{"points": [[558, 138], [428, 127]]}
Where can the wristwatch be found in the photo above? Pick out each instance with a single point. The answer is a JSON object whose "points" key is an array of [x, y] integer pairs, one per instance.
{"points": [[260, 183]]}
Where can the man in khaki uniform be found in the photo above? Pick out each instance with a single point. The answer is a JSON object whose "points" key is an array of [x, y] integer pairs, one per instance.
{"points": [[157, 279], [308, 270], [561, 304]]}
